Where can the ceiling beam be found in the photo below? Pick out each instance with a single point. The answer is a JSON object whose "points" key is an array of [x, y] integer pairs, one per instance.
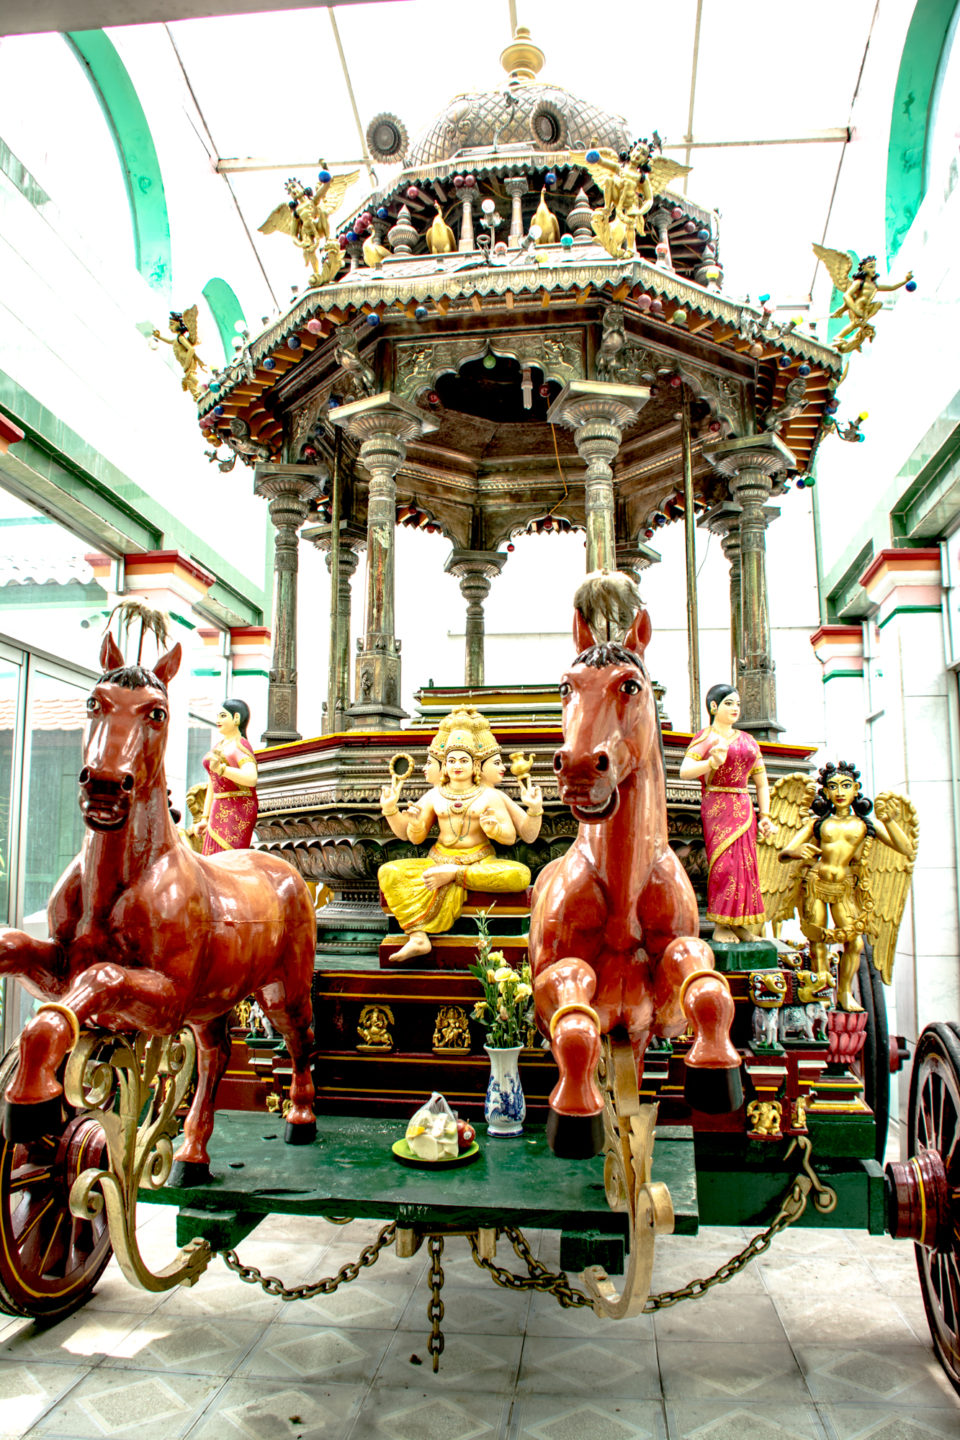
{"points": [[30, 17]]}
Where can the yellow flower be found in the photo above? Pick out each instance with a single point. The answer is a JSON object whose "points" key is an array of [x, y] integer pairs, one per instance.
{"points": [[491, 976], [479, 1009], [504, 975], [523, 991], [496, 957]]}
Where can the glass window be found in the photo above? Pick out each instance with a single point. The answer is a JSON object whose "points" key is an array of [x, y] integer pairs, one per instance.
{"points": [[52, 822]]}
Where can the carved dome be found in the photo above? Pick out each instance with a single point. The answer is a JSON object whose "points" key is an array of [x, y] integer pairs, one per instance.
{"points": [[531, 115]]}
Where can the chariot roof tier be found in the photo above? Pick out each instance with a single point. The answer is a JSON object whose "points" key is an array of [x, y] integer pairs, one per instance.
{"points": [[528, 244]]}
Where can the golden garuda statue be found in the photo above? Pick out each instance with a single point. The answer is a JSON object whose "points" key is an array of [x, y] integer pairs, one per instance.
{"points": [[183, 328], [629, 184], [859, 291], [845, 875], [306, 216]]}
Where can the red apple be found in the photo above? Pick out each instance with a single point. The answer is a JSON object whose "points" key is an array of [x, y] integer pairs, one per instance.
{"points": [[466, 1135]]}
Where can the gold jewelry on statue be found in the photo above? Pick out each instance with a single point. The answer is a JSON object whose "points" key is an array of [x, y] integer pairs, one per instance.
{"points": [[401, 774], [67, 1014], [572, 1009], [385, 812], [700, 975]]}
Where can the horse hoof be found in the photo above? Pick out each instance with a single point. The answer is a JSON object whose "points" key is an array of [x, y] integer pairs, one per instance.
{"points": [[714, 1091], [300, 1134], [23, 1123], [575, 1137], [185, 1174]]}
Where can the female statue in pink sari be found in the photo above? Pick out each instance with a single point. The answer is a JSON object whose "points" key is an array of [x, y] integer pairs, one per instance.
{"points": [[724, 759], [230, 808]]}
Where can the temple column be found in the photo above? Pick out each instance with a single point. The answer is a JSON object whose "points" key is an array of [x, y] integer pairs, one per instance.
{"points": [[352, 540], [288, 489], [598, 412], [751, 464], [469, 199], [724, 522], [474, 569], [383, 424], [516, 187]]}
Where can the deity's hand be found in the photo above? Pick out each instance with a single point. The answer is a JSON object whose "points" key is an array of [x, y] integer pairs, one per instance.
{"points": [[489, 822], [388, 797], [810, 851], [881, 808], [718, 755], [766, 827], [412, 812], [439, 875], [200, 828], [534, 796]]}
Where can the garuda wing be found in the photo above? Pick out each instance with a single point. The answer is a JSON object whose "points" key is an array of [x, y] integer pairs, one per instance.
{"points": [[282, 219], [888, 873], [332, 197], [190, 320], [603, 172], [837, 264], [663, 171], [780, 884]]}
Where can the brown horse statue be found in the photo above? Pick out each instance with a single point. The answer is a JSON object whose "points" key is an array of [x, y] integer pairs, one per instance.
{"points": [[613, 934], [146, 935]]}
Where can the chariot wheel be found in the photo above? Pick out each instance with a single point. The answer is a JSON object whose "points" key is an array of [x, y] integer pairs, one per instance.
{"points": [[875, 1056], [922, 1196], [49, 1261]]}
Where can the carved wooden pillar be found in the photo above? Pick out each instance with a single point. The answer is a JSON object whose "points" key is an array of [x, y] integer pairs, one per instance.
{"points": [[474, 569], [383, 424], [724, 521], [598, 412], [352, 540], [751, 464], [516, 187], [288, 490]]}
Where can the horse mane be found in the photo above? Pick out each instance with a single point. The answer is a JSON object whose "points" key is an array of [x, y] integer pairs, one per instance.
{"points": [[133, 677], [609, 653]]}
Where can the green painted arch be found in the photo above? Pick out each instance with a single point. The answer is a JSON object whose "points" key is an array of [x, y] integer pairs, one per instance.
{"points": [[906, 152], [227, 311], [138, 156]]}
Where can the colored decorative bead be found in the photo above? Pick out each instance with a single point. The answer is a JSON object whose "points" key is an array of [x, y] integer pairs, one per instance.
{"points": [[214, 387], [803, 370], [550, 178], [352, 237], [785, 362], [911, 285], [679, 317], [566, 241], [544, 392], [412, 192], [756, 350], [691, 227], [714, 427], [458, 182], [832, 406], [421, 312], [809, 478], [644, 302], [269, 363], [675, 380], [648, 534], [510, 548], [676, 213], [342, 241], [315, 327], [383, 213], [294, 342], [703, 234], [433, 398], [332, 403], [801, 483], [763, 299], [593, 157], [489, 362], [373, 319], [488, 206], [324, 177], [470, 181], [218, 409], [365, 218]]}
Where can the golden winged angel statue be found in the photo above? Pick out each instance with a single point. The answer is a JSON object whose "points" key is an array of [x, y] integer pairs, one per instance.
{"points": [[183, 328], [630, 185], [830, 863], [305, 217], [859, 290]]}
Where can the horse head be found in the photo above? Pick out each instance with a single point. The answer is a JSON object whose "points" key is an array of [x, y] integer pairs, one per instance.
{"points": [[610, 722], [126, 735]]}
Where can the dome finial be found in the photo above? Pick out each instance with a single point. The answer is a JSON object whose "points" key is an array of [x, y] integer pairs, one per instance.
{"points": [[522, 60]]}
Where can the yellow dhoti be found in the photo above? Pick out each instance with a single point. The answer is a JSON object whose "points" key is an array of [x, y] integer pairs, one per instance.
{"points": [[433, 911]]}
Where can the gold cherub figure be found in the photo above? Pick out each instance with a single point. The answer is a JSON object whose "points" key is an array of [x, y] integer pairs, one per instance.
{"points": [[305, 217], [183, 328], [630, 185], [826, 860], [859, 291]]}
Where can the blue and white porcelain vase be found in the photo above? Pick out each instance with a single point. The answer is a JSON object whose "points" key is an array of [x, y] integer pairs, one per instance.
{"points": [[504, 1108]]}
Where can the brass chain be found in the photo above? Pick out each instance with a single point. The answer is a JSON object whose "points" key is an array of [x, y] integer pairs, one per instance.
{"points": [[368, 1256], [435, 1307], [558, 1283]]}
